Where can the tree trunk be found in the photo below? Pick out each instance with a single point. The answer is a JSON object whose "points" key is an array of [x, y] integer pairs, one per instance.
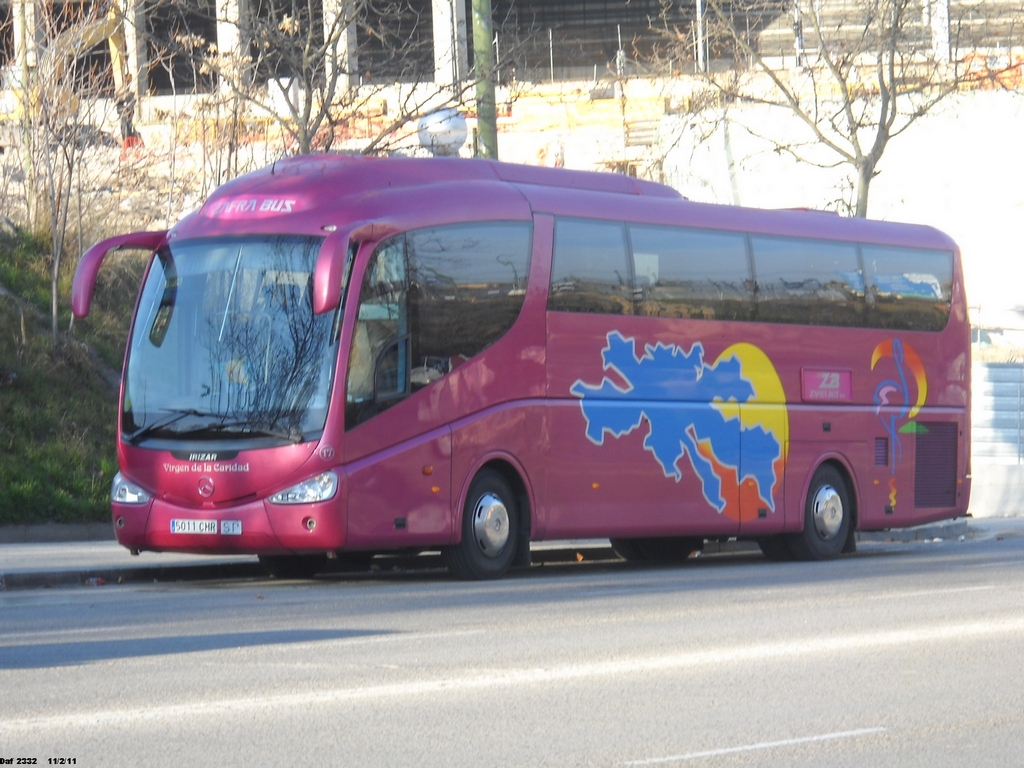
{"points": [[865, 173]]}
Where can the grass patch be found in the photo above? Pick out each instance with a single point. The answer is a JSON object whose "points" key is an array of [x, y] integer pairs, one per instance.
{"points": [[58, 408]]}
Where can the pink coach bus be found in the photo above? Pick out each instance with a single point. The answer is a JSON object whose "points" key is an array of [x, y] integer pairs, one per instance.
{"points": [[337, 356]]}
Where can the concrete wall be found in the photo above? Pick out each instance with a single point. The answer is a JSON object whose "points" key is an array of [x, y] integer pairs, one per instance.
{"points": [[997, 491]]}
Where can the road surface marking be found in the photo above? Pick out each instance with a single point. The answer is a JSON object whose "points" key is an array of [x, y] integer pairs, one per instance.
{"points": [[929, 592], [475, 680], [756, 747]]}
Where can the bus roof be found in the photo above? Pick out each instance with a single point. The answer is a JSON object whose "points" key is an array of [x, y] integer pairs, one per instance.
{"points": [[343, 175], [315, 190]]}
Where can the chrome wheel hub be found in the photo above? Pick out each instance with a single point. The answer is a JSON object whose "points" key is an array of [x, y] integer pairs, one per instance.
{"points": [[828, 512], [490, 524]]}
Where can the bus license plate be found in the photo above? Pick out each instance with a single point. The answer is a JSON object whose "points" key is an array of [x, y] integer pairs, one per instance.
{"points": [[193, 526]]}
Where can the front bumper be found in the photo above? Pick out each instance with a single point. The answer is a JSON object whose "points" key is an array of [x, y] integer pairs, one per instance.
{"points": [[265, 528]]}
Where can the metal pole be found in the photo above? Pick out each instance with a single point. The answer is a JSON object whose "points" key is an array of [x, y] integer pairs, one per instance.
{"points": [[483, 64], [551, 55], [701, 64]]}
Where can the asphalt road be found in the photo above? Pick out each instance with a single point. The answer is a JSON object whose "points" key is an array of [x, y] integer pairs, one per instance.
{"points": [[903, 655]]}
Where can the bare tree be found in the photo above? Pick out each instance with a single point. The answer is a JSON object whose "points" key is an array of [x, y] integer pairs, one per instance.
{"points": [[321, 70], [856, 73], [64, 110]]}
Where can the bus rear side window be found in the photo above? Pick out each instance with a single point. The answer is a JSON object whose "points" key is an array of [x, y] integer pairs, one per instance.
{"points": [[811, 282], [908, 288], [590, 268], [691, 273]]}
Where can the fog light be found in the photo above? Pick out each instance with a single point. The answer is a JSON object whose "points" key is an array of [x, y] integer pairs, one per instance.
{"points": [[120, 522], [310, 523]]}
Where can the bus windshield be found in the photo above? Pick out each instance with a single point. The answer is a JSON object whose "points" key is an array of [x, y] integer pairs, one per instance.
{"points": [[226, 347]]}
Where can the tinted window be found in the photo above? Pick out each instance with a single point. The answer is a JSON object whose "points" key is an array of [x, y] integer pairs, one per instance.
{"points": [[908, 288], [590, 268], [808, 281], [691, 273], [430, 300], [469, 283]]}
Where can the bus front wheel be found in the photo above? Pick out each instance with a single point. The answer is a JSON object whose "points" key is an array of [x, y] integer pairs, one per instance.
{"points": [[490, 530], [827, 514]]}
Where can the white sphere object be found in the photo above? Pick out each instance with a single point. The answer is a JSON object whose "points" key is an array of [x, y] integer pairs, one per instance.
{"points": [[443, 132]]}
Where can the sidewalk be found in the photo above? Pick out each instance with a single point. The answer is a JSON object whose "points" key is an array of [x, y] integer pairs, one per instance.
{"points": [[56, 563]]}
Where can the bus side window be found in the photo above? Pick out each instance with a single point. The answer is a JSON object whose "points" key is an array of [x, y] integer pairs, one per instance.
{"points": [[590, 269], [811, 282], [908, 288], [691, 273], [467, 288], [431, 300], [376, 377]]}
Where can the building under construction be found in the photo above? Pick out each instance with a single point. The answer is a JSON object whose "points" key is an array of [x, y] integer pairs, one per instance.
{"points": [[163, 47]]}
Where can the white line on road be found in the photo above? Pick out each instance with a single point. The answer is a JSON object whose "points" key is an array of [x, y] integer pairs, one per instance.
{"points": [[755, 747], [999, 564], [475, 680], [930, 592], [353, 638]]}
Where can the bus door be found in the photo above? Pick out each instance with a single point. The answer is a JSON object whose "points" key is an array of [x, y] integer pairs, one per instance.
{"points": [[433, 301], [397, 447]]}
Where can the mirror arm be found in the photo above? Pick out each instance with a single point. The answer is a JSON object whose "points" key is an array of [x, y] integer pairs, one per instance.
{"points": [[89, 264]]}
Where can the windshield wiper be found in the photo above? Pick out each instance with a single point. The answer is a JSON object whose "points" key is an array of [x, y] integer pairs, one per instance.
{"points": [[222, 426], [176, 415], [246, 429]]}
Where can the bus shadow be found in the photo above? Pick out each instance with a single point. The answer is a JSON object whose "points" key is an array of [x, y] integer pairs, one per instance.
{"points": [[570, 580], [46, 655]]}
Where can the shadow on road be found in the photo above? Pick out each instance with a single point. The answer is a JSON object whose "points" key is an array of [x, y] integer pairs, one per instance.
{"points": [[44, 655]]}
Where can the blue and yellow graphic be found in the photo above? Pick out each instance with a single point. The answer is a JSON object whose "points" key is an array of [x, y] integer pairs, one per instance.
{"points": [[728, 419]]}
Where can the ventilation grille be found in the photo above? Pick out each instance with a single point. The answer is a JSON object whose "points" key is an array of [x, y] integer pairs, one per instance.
{"points": [[935, 468], [881, 451]]}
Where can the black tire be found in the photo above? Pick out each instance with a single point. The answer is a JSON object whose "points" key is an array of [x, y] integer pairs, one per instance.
{"points": [[628, 549], [827, 517], [293, 566], [666, 549], [776, 548], [490, 530]]}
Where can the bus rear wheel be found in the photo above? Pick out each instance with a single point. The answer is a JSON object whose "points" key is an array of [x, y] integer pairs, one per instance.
{"points": [[293, 566], [490, 530], [827, 517]]}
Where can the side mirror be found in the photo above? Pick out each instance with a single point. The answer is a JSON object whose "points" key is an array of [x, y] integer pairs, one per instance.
{"points": [[330, 270], [89, 264], [332, 260]]}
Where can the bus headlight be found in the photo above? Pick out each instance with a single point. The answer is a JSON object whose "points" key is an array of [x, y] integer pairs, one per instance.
{"points": [[319, 488], [124, 491]]}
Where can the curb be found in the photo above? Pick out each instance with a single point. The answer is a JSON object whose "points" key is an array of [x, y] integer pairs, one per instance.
{"points": [[947, 529], [566, 552], [96, 577], [53, 533]]}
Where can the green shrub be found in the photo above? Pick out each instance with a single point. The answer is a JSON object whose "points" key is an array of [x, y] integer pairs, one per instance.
{"points": [[58, 407]]}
